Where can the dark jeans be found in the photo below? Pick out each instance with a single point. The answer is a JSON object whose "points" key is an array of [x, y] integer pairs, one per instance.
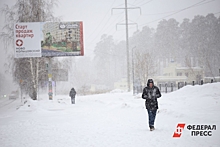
{"points": [[73, 100], [151, 116]]}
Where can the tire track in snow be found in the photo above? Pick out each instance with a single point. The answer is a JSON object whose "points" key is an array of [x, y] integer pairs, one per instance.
{"points": [[5, 103]]}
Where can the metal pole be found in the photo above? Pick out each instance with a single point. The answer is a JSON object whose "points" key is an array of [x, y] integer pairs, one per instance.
{"points": [[55, 84], [38, 92], [171, 87], [50, 92], [133, 67], [21, 89], [127, 41], [127, 46], [166, 88], [219, 75]]}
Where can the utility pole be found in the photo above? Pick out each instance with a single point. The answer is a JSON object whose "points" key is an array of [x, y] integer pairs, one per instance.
{"points": [[127, 45], [127, 41]]}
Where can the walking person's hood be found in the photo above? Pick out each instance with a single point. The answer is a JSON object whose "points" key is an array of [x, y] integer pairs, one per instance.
{"points": [[150, 81]]}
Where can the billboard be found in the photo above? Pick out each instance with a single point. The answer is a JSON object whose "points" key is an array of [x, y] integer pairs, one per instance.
{"points": [[26, 40], [49, 39]]}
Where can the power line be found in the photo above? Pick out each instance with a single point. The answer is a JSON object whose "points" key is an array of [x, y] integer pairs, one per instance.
{"points": [[118, 13], [169, 12], [101, 20], [102, 29], [160, 13], [95, 38], [113, 27], [103, 52], [134, 1], [145, 3], [141, 3], [104, 25], [178, 11], [175, 12], [206, 2], [157, 13]]}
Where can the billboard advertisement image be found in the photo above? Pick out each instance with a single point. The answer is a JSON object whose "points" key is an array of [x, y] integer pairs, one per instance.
{"points": [[62, 39]]}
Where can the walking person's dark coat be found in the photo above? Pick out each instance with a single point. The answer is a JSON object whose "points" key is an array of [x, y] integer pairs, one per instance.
{"points": [[150, 94], [72, 95]]}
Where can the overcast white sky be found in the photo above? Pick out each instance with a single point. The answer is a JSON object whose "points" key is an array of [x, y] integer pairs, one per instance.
{"points": [[97, 18]]}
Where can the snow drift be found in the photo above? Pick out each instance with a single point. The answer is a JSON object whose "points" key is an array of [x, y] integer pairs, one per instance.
{"points": [[111, 119]]}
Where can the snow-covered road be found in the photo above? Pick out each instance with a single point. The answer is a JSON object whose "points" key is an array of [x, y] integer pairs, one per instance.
{"points": [[111, 120]]}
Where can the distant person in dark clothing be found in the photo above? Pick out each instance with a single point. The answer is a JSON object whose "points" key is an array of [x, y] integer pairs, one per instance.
{"points": [[150, 94], [72, 95]]}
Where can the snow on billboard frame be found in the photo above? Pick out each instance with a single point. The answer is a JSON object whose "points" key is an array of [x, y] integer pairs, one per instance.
{"points": [[48, 39]]}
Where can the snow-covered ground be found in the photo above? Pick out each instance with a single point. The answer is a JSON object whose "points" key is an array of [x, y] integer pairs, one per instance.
{"points": [[110, 120]]}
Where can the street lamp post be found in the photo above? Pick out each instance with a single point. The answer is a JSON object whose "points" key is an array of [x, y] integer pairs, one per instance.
{"points": [[133, 67], [219, 75]]}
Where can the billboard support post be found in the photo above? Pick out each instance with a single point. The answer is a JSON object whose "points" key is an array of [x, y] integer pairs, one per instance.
{"points": [[21, 81], [55, 84], [50, 89]]}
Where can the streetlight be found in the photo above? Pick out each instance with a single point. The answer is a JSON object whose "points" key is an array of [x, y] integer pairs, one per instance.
{"points": [[219, 75], [133, 67]]}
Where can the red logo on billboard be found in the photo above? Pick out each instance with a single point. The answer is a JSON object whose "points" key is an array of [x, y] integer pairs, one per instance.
{"points": [[179, 130], [19, 42]]}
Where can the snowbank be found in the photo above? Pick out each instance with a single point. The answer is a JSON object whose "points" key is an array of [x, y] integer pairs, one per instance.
{"points": [[112, 119]]}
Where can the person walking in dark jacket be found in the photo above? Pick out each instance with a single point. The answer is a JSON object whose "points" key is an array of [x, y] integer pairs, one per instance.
{"points": [[72, 95], [150, 94]]}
